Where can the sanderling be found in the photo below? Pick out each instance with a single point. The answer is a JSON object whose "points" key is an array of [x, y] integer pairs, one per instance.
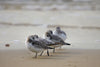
{"points": [[58, 32], [44, 41], [36, 45], [55, 39]]}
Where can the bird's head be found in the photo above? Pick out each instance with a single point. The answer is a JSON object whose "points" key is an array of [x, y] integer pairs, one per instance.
{"points": [[30, 38], [35, 36], [49, 33], [58, 28]]}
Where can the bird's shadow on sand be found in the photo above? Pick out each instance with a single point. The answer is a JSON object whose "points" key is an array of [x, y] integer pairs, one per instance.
{"points": [[67, 53], [58, 55]]}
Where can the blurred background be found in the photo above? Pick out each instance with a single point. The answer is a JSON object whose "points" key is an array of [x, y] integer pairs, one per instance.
{"points": [[49, 5], [80, 19]]}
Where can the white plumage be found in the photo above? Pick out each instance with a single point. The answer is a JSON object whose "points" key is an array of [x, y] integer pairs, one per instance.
{"points": [[37, 44]]}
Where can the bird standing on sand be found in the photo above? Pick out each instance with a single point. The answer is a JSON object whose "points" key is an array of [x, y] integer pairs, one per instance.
{"points": [[55, 39], [58, 32], [44, 41], [36, 45]]}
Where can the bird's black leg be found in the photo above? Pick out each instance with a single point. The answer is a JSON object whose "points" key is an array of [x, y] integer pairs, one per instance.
{"points": [[47, 52], [41, 53]]}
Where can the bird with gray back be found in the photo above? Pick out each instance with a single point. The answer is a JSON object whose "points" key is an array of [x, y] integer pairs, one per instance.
{"points": [[44, 41], [36, 46], [55, 39]]}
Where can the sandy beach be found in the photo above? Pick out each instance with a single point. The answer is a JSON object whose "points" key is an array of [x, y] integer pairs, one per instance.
{"points": [[84, 51], [62, 58]]}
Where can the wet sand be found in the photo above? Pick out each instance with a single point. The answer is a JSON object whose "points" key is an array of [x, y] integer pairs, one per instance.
{"points": [[62, 58]]}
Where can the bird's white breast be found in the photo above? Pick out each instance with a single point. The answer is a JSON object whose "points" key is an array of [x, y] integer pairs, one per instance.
{"points": [[33, 48]]}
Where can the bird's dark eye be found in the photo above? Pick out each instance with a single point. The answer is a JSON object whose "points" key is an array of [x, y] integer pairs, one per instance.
{"points": [[33, 38], [51, 32], [32, 43]]}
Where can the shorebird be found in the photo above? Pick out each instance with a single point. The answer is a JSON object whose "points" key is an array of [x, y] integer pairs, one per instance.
{"points": [[44, 41], [36, 45], [58, 32], [55, 39]]}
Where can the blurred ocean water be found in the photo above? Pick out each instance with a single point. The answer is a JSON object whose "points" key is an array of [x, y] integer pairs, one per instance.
{"points": [[49, 5], [51, 18]]}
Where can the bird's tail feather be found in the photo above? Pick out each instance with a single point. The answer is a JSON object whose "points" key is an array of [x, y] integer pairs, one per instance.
{"points": [[67, 44], [52, 44]]}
